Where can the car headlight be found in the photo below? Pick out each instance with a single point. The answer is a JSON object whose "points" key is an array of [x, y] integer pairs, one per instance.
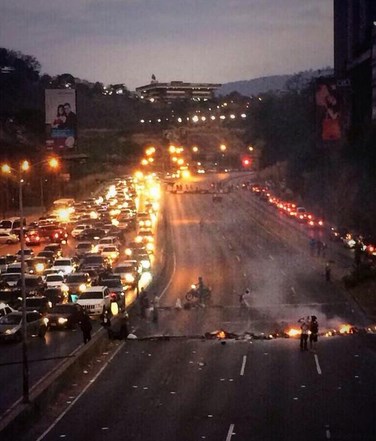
{"points": [[45, 320], [150, 246], [49, 304], [10, 331], [129, 278], [64, 287], [62, 320], [128, 252], [82, 287], [39, 267], [145, 264]]}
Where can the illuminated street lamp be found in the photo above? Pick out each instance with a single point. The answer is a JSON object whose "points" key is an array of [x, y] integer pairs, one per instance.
{"points": [[222, 147], [250, 148], [195, 149], [144, 162], [172, 149]]}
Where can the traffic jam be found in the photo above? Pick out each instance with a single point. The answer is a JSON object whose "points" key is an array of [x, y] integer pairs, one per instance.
{"points": [[92, 255], [349, 238]]}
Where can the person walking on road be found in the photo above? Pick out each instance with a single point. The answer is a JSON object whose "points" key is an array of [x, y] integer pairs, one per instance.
{"points": [[304, 328], [314, 332], [86, 327]]}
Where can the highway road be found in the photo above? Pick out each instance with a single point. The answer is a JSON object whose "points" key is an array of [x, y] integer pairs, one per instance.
{"points": [[189, 388]]}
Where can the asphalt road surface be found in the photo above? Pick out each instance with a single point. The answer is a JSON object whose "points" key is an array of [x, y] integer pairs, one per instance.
{"points": [[188, 388]]}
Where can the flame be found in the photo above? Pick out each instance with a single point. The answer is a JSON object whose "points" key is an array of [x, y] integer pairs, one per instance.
{"points": [[293, 332], [221, 334], [345, 329]]}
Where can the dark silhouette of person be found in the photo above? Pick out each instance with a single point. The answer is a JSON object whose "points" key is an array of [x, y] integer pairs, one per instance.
{"points": [[86, 327]]}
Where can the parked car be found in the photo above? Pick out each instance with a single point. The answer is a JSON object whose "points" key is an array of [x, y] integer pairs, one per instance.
{"points": [[83, 248], [38, 303], [65, 315], [8, 238], [95, 299], [34, 285], [77, 282], [11, 325], [32, 237]]}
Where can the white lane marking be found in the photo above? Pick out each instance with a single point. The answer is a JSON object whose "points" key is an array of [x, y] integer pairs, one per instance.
{"points": [[237, 258], [230, 432], [223, 237], [293, 290], [229, 246], [61, 416], [319, 371], [283, 273], [244, 275], [271, 257], [243, 365], [172, 276], [259, 246], [327, 432]]}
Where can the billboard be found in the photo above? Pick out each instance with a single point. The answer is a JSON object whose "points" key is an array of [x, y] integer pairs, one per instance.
{"points": [[61, 119], [332, 110]]}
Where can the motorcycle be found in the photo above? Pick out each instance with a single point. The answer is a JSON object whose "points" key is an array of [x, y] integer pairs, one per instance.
{"points": [[194, 294]]}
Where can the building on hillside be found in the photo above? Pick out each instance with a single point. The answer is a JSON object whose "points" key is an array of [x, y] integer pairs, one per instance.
{"points": [[355, 55], [176, 90]]}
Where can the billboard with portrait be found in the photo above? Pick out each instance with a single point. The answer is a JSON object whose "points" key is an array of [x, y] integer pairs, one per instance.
{"points": [[61, 119], [331, 99]]}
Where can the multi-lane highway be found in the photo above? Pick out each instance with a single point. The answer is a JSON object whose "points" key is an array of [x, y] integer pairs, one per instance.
{"points": [[188, 388]]}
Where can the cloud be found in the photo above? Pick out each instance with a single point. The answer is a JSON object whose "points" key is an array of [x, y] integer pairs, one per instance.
{"points": [[213, 40]]}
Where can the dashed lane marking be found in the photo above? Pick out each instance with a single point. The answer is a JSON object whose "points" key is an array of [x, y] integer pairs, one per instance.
{"points": [[242, 369], [230, 432], [319, 371], [237, 258]]}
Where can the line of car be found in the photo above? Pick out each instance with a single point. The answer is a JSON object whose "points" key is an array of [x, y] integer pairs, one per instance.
{"points": [[60, 288], [344, 235]]}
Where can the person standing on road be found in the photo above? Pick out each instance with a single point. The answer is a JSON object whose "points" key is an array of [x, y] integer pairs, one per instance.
{"points": [[86, 327], [312, 244], [328, 272], [319, 247], [244, 300], [304, 328], [144, 302], [314, 332]]}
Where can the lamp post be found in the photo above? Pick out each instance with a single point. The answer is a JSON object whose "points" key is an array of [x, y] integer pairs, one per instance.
{"points": [[25, 361], [6, 169]]}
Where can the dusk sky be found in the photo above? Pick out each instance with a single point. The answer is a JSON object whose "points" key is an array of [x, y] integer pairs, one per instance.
{"points": [[126, 41]]}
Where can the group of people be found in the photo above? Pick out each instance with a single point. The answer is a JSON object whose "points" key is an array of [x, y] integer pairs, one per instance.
{"points": [[309, 330], [317, 247]]}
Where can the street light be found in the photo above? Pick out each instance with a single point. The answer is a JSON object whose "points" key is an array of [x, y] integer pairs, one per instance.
{"points": [[222, 147], [54, 164], [6, 169]]}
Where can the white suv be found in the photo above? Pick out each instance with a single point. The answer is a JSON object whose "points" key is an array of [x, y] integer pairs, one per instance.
{"points": [[94, 299]]}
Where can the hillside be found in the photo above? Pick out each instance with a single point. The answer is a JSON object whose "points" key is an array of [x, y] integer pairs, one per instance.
{"points": [[273, 83]]}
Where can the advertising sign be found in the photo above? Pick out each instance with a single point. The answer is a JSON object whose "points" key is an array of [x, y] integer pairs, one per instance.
{"points": [[331, 99], [61, 119]]}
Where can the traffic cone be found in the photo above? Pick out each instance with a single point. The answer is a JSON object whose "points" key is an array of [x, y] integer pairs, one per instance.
{"points": [[178, 304]]}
